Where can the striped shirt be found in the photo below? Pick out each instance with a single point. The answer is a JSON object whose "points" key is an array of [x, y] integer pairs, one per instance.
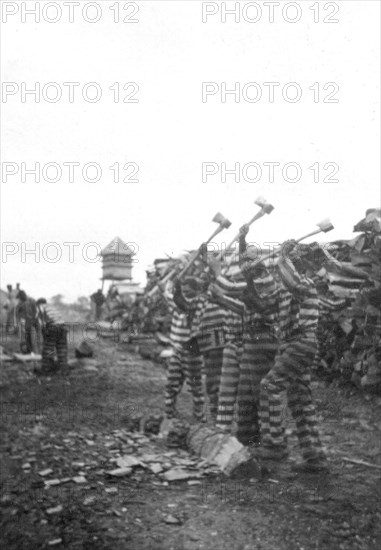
{"points": [[180, 328], [212, 326], [50, 316], [299, 303], [268, 291], [233, 327]]}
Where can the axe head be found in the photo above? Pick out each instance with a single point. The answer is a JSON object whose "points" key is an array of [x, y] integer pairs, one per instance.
{"points": [[266, 206], [221, 220], [325, 225]]}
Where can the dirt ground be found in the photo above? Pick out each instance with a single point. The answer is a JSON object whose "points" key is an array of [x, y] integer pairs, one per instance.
{"points": [[77, 424]]}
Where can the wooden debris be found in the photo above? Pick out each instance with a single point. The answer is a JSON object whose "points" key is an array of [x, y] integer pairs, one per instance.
{"points": [[128, 461], [55, 510], [177, 474], [120, 472], [171, 520], [79, 479], [46, 472], [362, 463]]}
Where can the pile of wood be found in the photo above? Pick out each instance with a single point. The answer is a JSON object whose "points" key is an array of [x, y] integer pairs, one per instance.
{"points": [[356, 332]]}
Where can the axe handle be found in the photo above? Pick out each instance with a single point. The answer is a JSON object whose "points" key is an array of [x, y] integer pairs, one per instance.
{"points": [[198, 252], [257, 216], [276, 251], [315, 232], [163, 280]]}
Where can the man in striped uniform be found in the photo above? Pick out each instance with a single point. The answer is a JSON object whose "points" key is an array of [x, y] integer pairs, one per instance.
{"points": [[211, 341], [54, 333], [260, 309], [230, 371], [186, 361], [298, 318]]}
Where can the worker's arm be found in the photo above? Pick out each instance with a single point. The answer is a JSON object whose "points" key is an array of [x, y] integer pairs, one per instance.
{"points": [[179, 299], [227, 302], [252, 298], [230, 288], [295, 282]]}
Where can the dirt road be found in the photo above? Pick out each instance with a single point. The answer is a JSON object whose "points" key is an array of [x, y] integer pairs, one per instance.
{"points": [[62, 435]]}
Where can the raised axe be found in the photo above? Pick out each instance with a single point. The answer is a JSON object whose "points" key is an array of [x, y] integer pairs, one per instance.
{"points": [[223, 223], [323, 227], [266, 208]]}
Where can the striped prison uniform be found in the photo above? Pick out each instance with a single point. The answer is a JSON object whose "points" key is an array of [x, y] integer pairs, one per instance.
{"points": [[324, 337], [230, 369], [298, 318], [184, 364], [259, 345], [211, 341], [54, 335]]}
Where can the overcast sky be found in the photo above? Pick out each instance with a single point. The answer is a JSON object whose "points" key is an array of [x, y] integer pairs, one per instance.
{"points": [[170, 132]]}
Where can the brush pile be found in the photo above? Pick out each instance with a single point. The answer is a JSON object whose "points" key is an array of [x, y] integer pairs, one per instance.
{"points": [[355, 333]]}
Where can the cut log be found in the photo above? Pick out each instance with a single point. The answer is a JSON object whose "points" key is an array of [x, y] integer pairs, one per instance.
{"points": [[223, 450]]}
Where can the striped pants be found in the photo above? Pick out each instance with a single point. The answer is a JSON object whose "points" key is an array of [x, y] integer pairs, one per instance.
{"points": [[213, 366], [258, 357], [184, 366], [291, 373], [229, 384], [54, 341]]}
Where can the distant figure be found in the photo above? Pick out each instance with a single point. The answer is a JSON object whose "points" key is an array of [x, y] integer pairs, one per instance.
{"points": [[11, 310], [54, 334], [26, 318], [113, 297], [98, 299]]}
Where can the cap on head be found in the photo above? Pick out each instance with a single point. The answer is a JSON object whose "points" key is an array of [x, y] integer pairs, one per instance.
{"points": [[41, 301]]}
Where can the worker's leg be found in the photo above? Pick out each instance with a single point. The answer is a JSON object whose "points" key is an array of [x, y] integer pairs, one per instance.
{"points": [[290, 374], [257, 359], [299, 399], [228, 385], [213, 366], [193, 370], [175, 380]]}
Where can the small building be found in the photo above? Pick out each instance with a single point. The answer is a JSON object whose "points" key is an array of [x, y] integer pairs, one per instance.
{"points": [[117, 263]]}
